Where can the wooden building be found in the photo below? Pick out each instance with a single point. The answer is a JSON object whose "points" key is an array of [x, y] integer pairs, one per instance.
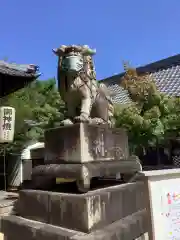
{"points": [[12, 78], [15, 76]]}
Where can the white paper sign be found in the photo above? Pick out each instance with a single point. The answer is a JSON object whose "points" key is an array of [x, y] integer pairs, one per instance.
{"points": [[164, 197], [171, 213], [7, 124]]}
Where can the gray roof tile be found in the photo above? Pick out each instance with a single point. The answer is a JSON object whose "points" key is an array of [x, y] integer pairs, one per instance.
{"points": [[15, 76], [166, 74], [19, 70]]}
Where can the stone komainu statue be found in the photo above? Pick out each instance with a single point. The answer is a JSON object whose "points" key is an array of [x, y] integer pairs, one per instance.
{"points": [[86, 100]]}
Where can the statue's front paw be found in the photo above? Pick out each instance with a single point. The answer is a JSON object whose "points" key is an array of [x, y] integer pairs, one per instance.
{"points": [[81, 118], [66, 122]]}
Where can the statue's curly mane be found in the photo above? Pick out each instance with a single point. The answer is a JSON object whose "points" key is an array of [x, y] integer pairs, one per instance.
{"points": [[87, 76], [89, 66]]}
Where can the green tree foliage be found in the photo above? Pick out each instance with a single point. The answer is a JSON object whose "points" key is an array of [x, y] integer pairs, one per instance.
{"points": [[38, 106], [152, 117]]}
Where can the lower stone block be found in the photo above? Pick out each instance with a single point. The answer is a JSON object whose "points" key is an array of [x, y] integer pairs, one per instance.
{"points": [[18, 228], [130, 228], [34, 205], [85, 212], [56, 233]]}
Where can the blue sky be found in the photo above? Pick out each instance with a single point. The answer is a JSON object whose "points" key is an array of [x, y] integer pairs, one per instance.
{"points": [[136, 31]]}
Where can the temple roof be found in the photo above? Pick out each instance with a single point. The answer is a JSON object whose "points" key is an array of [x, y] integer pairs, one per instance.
{"points": [[165, 73], [16, 76]]}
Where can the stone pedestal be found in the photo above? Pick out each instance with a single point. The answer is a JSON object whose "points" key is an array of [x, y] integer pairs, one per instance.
{"points": [[117, 212], [82, 212], [81, 152], [82, 174], [82, 143], [130, 228]]}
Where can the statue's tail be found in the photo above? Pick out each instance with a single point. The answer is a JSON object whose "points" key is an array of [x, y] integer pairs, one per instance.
{"points": [[108, 96], [111, 112]]}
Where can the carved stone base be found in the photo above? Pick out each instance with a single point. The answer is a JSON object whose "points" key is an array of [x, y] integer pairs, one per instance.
{"points": [[128, 228], [117, 212], [18, 228], [82, 143], [86, 212], [83, 173]]}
